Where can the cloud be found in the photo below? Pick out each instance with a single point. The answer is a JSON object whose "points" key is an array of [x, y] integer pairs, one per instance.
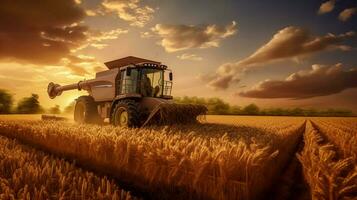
{"points": [[146, 34], [131, 11], [181, 37], [318, 81], [327, 7], [223, 82], [49, 33], [91, 13], [81, 65], [223, 78], [107, 35], [73, 63], [346, 14], [99, 68], [96, 39], [187, 56], [40, 31], [289, 43], [77, 70]]}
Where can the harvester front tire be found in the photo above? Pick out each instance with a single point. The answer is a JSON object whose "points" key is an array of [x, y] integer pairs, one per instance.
{"points": [[126, 114], [85, 111]]}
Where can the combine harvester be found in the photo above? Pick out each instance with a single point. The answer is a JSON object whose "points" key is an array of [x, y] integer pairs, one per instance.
{"points": [[133, 92]]}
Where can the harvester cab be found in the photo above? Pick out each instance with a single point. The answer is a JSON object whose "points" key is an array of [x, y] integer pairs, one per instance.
{"points": [[133, 92]]}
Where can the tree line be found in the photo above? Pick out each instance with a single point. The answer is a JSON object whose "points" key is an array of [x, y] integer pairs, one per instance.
{"points": [[217, 106], [27, 105]]}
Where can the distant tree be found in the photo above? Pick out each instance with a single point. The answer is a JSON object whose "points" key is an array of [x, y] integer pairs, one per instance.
{"points": [[277, 112], [251, 109], [329, 112], [29, 105], [55, 110], [70, 107], [311, 112], [235, 110], [264, 112], [214, 105], [217, 106], [297, 112], [191, 100], [341, 113], [6, 101]]}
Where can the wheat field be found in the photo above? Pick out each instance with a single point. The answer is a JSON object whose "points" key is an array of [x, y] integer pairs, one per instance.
{"points": [[224, 157], [329, 174], [26, 173]]}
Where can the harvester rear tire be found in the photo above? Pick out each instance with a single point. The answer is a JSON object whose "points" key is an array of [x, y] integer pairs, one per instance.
{"points": [[126, 114], [85, 111]]}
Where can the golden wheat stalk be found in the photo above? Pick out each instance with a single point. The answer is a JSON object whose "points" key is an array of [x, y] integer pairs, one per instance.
{"points": [[29, 174]]}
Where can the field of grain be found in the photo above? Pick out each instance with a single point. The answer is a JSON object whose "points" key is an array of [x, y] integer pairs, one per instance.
{"points": [[224, 157], [330, 175], [26, 173]]}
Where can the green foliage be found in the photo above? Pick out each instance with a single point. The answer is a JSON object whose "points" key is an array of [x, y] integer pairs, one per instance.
{"points": [[214, 105], [55, 110], [217, 106], [29, 105], [251, 109], [6, 101]]}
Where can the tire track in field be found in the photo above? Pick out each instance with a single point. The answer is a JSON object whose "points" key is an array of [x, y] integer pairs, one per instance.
{"points": [[291, 184], [337, 150]]}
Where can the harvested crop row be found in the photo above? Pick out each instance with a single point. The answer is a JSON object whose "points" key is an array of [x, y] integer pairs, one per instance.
{"points": [[340, 131], [29, 174], [328, 176], [162, 161]]}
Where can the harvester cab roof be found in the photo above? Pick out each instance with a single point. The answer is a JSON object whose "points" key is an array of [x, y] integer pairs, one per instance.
{"points": [[132, 92], [133, 61]]}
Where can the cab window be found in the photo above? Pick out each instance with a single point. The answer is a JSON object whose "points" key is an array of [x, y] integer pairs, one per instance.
{"points": [[129, 82], [151, 82]]}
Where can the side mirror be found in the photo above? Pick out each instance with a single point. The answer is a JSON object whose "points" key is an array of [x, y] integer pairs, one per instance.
{"points": [[128, 71], [170, 76]]}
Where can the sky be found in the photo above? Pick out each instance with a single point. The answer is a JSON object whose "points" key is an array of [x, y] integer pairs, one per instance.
{"points": [[299, 53]]}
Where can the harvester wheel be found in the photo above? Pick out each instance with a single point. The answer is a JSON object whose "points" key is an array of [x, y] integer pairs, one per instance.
{"points": [[126, 114], [86, 111]]}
